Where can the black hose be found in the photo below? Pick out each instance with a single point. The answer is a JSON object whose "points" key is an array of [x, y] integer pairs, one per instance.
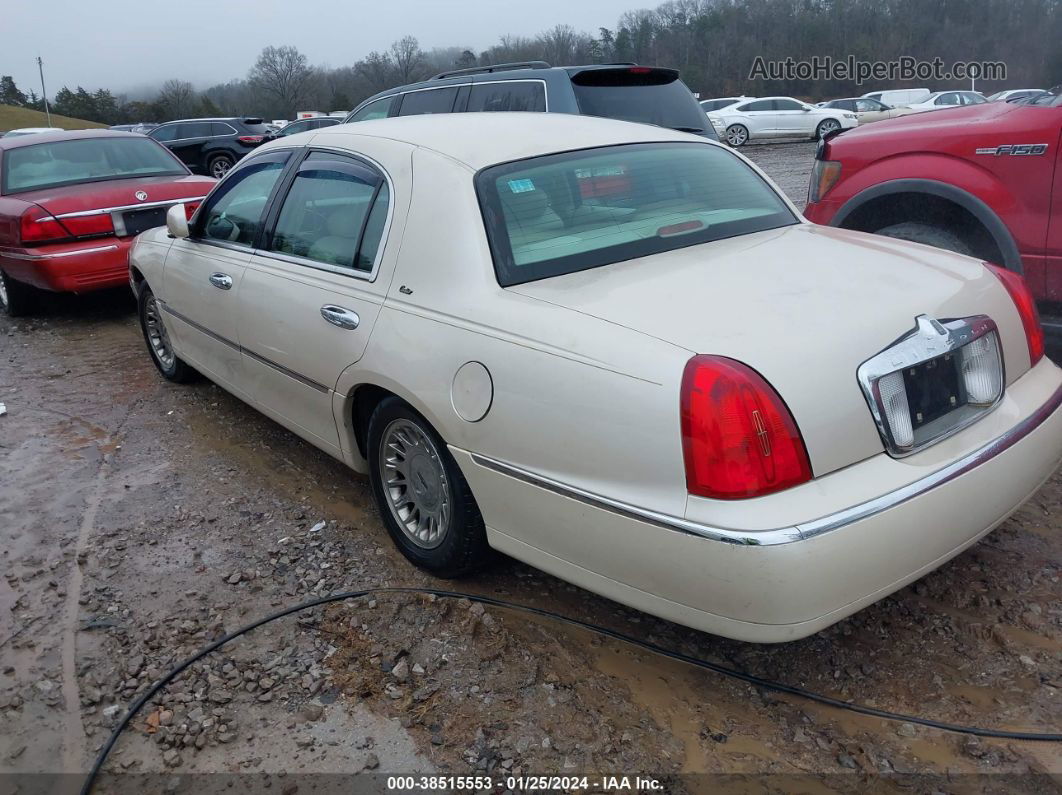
{"points": [[767, 684]]}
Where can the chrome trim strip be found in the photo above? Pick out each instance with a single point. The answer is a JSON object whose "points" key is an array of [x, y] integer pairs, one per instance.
{"points": [[57, 254], [124, 207], [170, 311], [803, 530], [290, 373], [234, 346]]}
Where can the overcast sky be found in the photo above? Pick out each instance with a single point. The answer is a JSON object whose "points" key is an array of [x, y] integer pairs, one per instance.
{"points": [[129, 44]]}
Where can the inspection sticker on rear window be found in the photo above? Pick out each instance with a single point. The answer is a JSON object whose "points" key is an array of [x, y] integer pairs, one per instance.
{"points": [[521, 185]]}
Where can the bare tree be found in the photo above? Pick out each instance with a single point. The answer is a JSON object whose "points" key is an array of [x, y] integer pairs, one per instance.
{"points": [[177, 98], [281, 73], [378, 71], [408, 59]]}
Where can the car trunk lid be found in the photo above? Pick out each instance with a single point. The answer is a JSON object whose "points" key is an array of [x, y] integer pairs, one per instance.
{"points": [[804, 306]]}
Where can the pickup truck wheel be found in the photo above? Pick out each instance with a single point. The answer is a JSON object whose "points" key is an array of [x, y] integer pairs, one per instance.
{"points": [[157, 337], [928, 234], [737, 135], [424, 500], [16, 299]]}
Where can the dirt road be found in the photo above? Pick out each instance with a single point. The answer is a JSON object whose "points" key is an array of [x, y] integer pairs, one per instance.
{"points": [[140, 520]]}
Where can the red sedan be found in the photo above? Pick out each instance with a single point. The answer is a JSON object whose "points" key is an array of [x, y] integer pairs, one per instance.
{"points": [[71, 204]]}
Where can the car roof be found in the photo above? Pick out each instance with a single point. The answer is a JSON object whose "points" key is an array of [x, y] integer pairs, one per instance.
{"points": [[65, 135], [215, 118], [485, 139]]}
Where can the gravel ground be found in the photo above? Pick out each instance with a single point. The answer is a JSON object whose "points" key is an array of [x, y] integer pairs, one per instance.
{"points": [[142, 520]]}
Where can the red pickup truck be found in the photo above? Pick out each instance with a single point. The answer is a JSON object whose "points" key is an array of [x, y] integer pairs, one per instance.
{"points": [[983, 180]]}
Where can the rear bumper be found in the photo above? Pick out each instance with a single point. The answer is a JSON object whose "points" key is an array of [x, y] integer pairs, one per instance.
{"points": [[74, 267], [783, 584]]}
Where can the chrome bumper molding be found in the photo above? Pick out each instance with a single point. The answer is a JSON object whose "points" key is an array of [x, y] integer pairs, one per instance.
{"points": [[803, 530], [57, 254]]}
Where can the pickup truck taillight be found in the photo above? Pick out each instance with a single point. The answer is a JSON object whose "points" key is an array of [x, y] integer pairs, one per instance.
{"points": [[739, 439], [1026, 306], [37, 225]]}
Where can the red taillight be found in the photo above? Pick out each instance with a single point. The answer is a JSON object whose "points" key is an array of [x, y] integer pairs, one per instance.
{"points": [[1026, 306], [36, 225], [190, 208], [251, 139], [89, 225], [738, 438]]}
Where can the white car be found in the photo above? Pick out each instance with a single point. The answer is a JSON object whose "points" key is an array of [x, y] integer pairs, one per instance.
{"points": [[1013, 94], [708, 105], [947, 99], [899, 96], [31, 131], [615, 352], [866, 110], [778, 117]]}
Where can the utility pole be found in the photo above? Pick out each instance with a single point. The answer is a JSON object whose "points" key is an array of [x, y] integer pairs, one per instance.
{"points": [[44, 92]]}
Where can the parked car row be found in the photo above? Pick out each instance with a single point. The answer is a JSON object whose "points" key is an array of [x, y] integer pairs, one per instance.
{"points": [[747, 119]]}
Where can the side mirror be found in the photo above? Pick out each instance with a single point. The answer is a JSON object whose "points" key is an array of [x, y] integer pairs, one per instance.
{"points": [[806, 109], [177, 221]]}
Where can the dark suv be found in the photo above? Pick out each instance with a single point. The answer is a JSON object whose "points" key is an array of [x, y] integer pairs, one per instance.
{"points": [[646, 94], [211, 146]]}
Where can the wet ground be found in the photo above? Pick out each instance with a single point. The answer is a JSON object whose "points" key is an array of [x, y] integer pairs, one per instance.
{"points": [[140, 520]]}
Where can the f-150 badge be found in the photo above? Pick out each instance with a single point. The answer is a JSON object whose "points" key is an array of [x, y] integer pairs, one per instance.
{"points": [[1014, 149]]}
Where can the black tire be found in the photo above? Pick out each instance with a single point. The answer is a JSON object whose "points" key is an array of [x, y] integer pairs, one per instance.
{"points": [[736, 135], [175, 369], [17, 299], [929, 234], [463, 546], [219, 165]]}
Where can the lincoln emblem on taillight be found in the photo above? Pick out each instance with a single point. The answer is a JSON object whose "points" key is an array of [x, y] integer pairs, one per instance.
{"points": [[761, 432], [141, 196]]}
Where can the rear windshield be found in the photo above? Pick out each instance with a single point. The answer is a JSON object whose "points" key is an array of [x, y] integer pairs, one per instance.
{"points": [[558, 214], [655, 97], [49, 165]]}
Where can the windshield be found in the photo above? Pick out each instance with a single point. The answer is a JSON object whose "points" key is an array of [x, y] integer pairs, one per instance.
{"points": [[558, 214], [653, 96], [48, 165]]}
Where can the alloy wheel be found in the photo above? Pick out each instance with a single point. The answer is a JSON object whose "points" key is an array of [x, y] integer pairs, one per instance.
{"points": [[158, 337], [220, 168], [415, 483], [736, 135], [828, 126]]}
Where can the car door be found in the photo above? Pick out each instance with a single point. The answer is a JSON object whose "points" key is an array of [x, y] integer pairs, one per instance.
{"points": [[203, 272], [309, 298], [794, 118], [868, 110], [758, 116], [188, 145]]}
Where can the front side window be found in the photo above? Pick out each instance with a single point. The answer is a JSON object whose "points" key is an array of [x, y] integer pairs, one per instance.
{"points": [[513, 96], [435, 100], [294, 128], [49, 165], [333, 214], [787, 104], [557, 214], [948, 99], [233, 212], [379, 109]]}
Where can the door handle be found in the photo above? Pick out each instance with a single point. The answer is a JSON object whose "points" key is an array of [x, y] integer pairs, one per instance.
{"points": [[221, 281], [338, 316]]}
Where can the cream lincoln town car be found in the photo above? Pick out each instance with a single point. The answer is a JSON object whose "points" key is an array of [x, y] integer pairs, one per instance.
{"points": [[615, 352]]}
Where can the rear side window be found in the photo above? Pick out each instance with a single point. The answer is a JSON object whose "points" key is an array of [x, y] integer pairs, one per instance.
{"points": [[763, 104], [558, 214], [221, 128], [435, 100], [639, 94], [522, 95], [333, 214]]}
